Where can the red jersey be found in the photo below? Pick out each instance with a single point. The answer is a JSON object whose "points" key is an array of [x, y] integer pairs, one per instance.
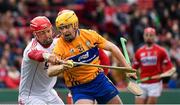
{"points": [[151, 61], [104, 60]]}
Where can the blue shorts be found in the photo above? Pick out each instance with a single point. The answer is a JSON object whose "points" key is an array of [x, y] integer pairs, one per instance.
{"points": [[99, 89]]}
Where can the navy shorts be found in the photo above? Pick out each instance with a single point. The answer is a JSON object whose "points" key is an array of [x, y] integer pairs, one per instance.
{"points": [[100, 89]]}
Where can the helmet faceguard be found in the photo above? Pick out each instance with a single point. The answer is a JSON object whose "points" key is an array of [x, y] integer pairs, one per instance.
{"points": [[149, 35]]}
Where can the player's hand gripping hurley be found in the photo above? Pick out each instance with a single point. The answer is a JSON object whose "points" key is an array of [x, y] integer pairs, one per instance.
{"points": [[123, 69], [65, 65], [132, 86], [159, 76], [73, 64]]}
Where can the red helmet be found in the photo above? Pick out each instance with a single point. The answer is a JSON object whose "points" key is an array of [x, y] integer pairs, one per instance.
{"points": [[39, 23], [150, 30]]}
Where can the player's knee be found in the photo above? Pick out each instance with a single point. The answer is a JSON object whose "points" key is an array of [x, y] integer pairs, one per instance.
{"points": [[115, 100]]}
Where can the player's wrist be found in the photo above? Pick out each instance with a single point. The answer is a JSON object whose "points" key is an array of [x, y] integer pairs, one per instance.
{"points": [[46, 56], [160, 75]]}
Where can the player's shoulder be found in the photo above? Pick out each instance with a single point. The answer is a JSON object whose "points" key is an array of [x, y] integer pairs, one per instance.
{"points": [[32, 44], [88, 31], [55, 40], [141, 48], [58, 39], [160, 48]]}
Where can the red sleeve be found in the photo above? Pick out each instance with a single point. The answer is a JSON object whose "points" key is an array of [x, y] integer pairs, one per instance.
{"points": [[36, 55], [135, 63], [104, 60], [167, 64]]}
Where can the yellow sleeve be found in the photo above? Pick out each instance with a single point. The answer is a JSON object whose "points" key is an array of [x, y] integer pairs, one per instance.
{"points": [[98, 39]]}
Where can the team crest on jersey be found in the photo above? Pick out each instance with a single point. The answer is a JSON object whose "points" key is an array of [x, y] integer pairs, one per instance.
{"points": [[155, 53], [80, 48], [71, 50], [46, 65], [88, 43], [142, 54]]}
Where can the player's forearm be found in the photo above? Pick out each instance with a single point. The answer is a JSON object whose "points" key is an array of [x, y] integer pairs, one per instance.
{"points": [[165, 74], [118, 54], [168, 72], [55, 70], [41, 56]]}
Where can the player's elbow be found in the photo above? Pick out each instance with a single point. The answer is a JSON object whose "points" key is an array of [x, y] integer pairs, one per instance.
{"points": [[173, 70]]}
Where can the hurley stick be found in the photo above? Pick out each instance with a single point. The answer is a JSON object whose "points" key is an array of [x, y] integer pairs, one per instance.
{"points": [[123, 69], [158, 76], [132, 86]]}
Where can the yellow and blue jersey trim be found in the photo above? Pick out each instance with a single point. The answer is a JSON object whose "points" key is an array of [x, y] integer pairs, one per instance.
{"points": [[87, 56]]}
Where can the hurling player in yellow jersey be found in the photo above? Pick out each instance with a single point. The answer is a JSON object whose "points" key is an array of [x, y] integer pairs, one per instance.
{"points": [[86, 84]]}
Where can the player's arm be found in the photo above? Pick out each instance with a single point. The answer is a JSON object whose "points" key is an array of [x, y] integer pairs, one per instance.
{"points": [[168, 73], [54, 70], [36, 55], [57, 70], [119, 56], [116, 52], [168, 69], [55, 64], [107, 45], [136, 61], [41, 56], [168, 66]]}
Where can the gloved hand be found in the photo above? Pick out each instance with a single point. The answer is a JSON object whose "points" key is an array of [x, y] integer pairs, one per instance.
{"points": [[68, 64], [54, 59], [132, 75], [51, 58]]}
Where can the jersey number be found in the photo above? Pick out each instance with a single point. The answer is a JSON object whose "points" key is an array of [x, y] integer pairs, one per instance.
{"points": [[80, 48], [46, 65]]}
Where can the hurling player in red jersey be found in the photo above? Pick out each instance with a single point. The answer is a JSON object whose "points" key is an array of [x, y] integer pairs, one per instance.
{"points": [[153, 61], [104, 60]]}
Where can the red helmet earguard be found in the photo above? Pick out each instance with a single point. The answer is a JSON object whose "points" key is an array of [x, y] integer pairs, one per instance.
{"points": [[150, 30], [39, 23]]}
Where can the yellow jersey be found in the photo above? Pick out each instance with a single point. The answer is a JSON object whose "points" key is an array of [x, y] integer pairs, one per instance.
{"points": [[84, 48]]}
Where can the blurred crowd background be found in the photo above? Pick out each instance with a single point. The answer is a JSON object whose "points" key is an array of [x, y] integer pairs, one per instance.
{"points": [[111, 18]]}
